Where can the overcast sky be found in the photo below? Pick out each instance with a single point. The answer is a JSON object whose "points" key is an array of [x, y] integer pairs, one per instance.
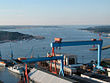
{"points": [[54, 12]]}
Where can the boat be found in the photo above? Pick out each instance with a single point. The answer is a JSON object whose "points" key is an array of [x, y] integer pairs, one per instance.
{"points": [[2, 64], [16, 69]]}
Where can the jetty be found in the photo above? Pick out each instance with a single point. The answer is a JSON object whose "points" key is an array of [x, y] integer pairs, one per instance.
{"points": [[103, 48], [96, 77]]}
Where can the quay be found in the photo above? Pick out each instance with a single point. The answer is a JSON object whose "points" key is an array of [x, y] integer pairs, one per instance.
{"points": [[96, 77]]}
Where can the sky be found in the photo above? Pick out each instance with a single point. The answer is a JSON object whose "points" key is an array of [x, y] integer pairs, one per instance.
{"points": [[54, 12]]}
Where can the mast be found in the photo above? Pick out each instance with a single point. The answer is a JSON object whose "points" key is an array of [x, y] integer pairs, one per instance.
{"points": [[0, 55], [11, 52]]}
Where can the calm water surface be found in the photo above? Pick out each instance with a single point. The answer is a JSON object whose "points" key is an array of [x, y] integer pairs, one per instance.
{"points": [[41, 47]]}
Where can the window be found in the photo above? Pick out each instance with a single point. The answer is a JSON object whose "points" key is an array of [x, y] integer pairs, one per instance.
{"points": [[71, 61]]}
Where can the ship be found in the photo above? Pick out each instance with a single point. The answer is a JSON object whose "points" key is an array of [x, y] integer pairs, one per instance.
{"points": [[16, 69]]}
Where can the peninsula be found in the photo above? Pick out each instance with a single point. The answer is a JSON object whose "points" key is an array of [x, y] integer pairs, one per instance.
{"points": [[6, 36], [98, 29]]}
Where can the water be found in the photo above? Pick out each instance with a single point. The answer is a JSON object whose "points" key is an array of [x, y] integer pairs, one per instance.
{"points": [[41, 47], [8, 77]]}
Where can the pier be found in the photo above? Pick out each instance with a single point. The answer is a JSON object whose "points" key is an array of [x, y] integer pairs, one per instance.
{"points": [[103, 48]]}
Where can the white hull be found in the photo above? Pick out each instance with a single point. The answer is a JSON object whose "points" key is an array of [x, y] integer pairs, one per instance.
{"points": [[14, 70]]}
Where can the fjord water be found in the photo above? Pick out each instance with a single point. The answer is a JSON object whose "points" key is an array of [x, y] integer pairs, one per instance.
{"points": [[41, 47]]}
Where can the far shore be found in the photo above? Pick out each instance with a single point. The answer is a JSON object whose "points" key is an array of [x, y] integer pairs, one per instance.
{"points": [[6, 36]]}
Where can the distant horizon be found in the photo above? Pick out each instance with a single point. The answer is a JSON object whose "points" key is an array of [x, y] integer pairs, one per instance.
{"points": [[59, 25]]}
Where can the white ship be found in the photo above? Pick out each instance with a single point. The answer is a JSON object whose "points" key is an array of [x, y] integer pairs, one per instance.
{"points": [[16, 69]]}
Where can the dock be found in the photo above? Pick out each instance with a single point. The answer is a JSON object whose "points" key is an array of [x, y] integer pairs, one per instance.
{"points": [[96, 77], [43, 76], [103, 48]]}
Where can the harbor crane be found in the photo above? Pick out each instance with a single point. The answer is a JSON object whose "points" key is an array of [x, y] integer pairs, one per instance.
{"points": [[31, 60], [58, 43]]}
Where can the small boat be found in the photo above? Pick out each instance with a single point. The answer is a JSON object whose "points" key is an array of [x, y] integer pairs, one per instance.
{"points": [[16, 69], [2, 64]]}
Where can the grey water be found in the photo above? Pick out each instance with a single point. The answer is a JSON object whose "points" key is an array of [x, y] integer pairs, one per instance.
{"points": [[41, 47]]}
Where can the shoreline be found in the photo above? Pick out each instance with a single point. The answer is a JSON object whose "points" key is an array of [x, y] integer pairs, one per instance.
{"points": [[6, 36], [98, 29]]}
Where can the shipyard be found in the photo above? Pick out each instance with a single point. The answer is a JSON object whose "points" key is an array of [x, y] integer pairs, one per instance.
{"points": [[55, 41], [62, 67]]}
